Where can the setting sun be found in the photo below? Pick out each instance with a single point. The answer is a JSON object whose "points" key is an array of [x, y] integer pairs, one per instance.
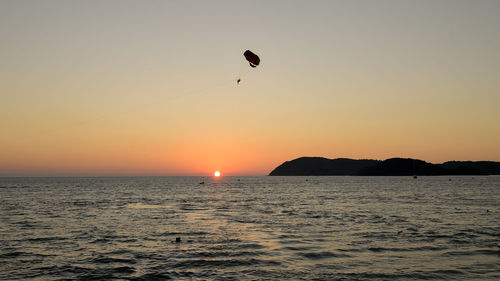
{"points": [[216, 174]]}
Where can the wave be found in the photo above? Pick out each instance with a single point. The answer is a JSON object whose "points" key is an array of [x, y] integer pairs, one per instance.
{"points": [[323, 255], [223, 263]]}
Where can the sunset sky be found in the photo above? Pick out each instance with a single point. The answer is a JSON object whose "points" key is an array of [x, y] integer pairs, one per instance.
{"points": [[149, 87]]}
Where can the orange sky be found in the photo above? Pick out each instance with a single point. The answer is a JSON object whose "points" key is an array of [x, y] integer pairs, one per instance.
{"points": [[149, 88]]}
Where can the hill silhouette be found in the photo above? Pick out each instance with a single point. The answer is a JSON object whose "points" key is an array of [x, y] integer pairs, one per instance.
{"points": [[485, 167], [319, 166]]}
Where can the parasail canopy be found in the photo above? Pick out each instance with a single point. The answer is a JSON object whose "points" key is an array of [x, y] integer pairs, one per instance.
{"points": [[252, 58]]}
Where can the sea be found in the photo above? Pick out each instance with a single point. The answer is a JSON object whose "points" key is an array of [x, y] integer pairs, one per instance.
{"points": [[250, 228]]}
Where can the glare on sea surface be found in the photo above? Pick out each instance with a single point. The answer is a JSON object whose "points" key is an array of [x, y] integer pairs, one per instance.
{"points": [[216, 174]]}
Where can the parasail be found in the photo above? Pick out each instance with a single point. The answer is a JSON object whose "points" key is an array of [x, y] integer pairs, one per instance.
{"points": [[252, 58]]}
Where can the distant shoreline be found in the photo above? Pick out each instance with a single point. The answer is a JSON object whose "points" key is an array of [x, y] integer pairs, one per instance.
{"points": [[320, 166]]}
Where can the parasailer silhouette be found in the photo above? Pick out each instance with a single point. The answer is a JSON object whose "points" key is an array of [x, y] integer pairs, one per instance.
{"points": [[253, 61]]}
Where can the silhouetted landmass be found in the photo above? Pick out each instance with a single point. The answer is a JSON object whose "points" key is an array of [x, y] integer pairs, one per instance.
{"points": [[402, 167], [319, 166], [486, 167]]}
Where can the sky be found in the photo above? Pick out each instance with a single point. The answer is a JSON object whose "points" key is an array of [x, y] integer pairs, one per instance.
{"points": [[149, 87]]}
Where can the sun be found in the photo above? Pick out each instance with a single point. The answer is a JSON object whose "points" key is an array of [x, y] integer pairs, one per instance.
{"points": [[217, 174]]}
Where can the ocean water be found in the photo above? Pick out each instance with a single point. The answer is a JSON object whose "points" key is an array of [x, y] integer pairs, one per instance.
{"points": [[250, 228]]}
